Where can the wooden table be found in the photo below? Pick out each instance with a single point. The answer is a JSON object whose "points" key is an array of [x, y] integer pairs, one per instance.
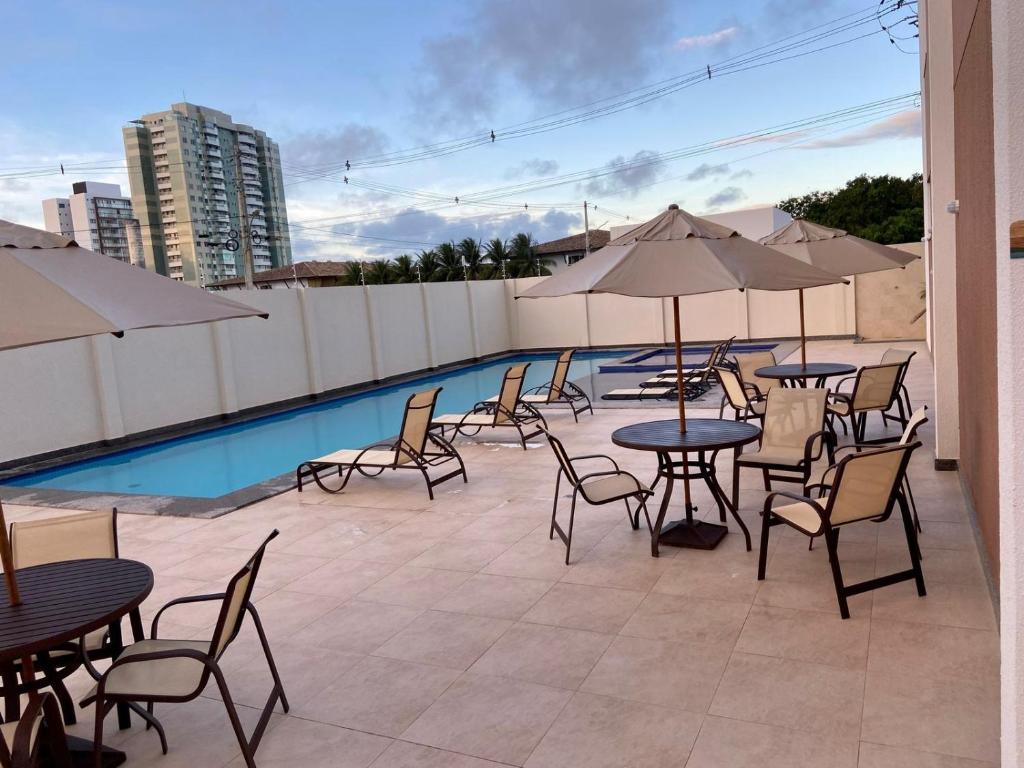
{"points": [[62, 602], [795, 373], [702, 437]]}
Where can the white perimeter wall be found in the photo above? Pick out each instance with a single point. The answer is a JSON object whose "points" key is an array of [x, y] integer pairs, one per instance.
{"points": [[73, 393]]}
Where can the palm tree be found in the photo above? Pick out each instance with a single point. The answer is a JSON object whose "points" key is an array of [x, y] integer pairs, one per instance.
{"points": [[427, 264], [524, 261], [449, 266], [498, 254], [473, 259], [353, 273], [403, 270], [377, 272]]}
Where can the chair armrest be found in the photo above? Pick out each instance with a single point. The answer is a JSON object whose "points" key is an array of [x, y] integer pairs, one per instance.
{"points": [[586, 457], [844, 380], [753, 389], [770, 499], [183, 601], [614, 473], [826, 439]]}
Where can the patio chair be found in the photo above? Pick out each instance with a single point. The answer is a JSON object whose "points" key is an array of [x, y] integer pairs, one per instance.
{"points": [[903, 357], [508, 411], [747, 364], [875, 388], [177, 671], [793, 439], [866, 487], [558, 391], [595, 488], [738, 397], [416, 448], [51, 540], [36, 738], [641, 393]]}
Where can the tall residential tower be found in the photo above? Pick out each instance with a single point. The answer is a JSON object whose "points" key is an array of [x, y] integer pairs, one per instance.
{"points": [[190, 170], [97, 217]]}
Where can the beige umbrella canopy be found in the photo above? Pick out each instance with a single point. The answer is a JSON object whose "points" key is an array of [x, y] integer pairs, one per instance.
{"points": [[677, 254], [51, 289], [835, 251]]}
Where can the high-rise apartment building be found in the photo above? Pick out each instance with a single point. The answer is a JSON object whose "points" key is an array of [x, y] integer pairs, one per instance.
{"points": [[98, 217], [197, 178]]}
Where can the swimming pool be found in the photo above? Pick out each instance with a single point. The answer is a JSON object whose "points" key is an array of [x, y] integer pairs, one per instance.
{"points": [[223, 460], [694, 355]]}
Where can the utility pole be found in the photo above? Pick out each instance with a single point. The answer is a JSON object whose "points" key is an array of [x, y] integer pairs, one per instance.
{"points": [[243, 219], [586, 230]]}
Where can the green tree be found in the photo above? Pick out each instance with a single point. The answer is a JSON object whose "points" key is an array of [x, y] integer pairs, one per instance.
{"points": [[473, 259], [353, 273], [886, 209], [523, 259], [403, 270], [427, 264], [377, 271], [449, 264], [498, 254]]}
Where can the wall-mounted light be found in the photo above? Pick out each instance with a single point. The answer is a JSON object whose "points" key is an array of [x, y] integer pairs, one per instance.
{"points": [[953, 206]]}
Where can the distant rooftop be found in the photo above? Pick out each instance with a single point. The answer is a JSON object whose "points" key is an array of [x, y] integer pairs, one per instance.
{"points": [[304, 270], [575, 243]]}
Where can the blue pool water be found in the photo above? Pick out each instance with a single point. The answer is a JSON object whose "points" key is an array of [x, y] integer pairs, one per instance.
{"points": [[226, 459]]}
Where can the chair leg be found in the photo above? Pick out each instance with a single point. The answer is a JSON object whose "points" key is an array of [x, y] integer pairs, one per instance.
{"points": [[236, 724], [278, 685], [915, 549], [767, 479], [832, 543], [762, 557], [102, 709], [554, 505], [913, 504], [647, 517], [634, 520], [60, 691], [151, 722], [572, 517]]}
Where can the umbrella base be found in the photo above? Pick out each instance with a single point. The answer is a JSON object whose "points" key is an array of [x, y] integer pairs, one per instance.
{"points": [[694, 535]]}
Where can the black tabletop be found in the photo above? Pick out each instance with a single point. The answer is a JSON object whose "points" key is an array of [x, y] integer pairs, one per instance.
{"points": [[63, 601], [700, 435], [809, 371]]}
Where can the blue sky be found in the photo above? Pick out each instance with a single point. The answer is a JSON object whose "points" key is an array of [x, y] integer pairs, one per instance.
{"points": [[332, 81]]}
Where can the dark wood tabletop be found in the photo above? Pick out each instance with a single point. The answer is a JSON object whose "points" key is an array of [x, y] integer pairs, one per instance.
{"points": [[66, 600], [809, 371], [701, 435]]}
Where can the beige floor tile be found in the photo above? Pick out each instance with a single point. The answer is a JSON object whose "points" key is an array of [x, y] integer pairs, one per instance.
{"points": [[449, 639], [548, 655], [687, 619], [954, 716], [358, 626], [498, 528], [726, 743], [342, 578], [878, 756], [284, 612], [376, 695], [296, 742], [334, 539], [957, 605], [818, 595], [460, 555], [793, 694], [434, 524], [392, 547], [413, 586], [601, 732], [625, 573], [680, 675], [598, 609], [933, 651], [715, 575], [952, 566], [806, 636], [500, 597], [403, 754], [490, 717]]}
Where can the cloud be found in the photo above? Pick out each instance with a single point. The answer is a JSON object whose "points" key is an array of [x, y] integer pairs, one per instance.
{"points": [[715, 39], [742, 173], [707, 171], [725, 196], [903, 125], [349, 142], [556, 53], [534, 167], [621, 175]]}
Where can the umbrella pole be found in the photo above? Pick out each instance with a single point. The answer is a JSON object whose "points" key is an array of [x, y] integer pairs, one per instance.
{"points": [[679, 365], [8, 562], [803, 334]]}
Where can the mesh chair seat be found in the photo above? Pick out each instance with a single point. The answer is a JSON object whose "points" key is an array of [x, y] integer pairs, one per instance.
{"points": [[612, 487], [531, 399], [374, 458], [802, 515], [93, 642], [842, 407], [633, 393], [469, 419], [161, 677], [759, 406], [774, 455]]}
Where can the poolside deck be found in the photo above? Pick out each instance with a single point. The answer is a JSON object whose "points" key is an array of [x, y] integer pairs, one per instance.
{"points": [[449, 633]]}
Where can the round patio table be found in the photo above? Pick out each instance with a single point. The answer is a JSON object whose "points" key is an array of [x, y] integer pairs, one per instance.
{"points": [[62, 602], [705, 438], [797, 374]]}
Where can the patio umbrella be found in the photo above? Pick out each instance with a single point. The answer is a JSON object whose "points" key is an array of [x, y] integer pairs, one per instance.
{"points": [[835, 251], [677, 254], [51, 289]]}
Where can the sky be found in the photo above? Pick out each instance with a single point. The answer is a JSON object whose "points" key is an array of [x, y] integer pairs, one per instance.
{"points": [[374, 83]]}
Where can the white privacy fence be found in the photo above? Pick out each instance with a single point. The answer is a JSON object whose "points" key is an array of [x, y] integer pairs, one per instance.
{"points": [[84, 391]]}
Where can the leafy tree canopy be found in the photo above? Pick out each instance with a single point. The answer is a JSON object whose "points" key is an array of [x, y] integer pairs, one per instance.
{"points": [[886, 209]]}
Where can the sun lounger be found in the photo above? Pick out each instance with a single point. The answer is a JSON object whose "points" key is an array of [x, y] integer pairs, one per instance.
{"points": [[558, 391]]}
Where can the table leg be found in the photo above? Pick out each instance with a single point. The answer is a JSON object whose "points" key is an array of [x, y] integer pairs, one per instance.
{"points": [[124, 718], [135, 619], [664, 470], [12, 702], [694, 534], [719, 493]]}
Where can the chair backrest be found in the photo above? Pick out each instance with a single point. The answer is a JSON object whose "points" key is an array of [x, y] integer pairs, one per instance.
{"points": [[560, 374], [866, 483], [732, 385], [901, 356], [917, 418], [563, 458], [419, 411], [236, 597], [791, 416], [511, 388], [723, 351], [876, 386], [70, 537], [748, 362]]}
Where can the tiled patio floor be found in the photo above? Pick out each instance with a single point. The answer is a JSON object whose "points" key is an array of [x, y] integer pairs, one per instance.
{"points": [[450, 634]]}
